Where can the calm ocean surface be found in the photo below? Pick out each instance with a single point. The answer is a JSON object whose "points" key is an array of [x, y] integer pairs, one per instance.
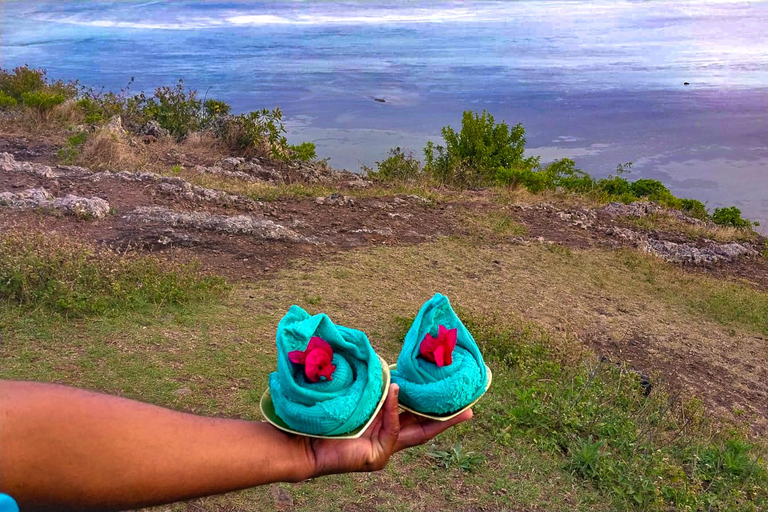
{"points": [[601, 82]]}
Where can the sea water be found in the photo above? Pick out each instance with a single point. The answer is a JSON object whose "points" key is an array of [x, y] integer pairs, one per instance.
{"points": [[601, 82]]}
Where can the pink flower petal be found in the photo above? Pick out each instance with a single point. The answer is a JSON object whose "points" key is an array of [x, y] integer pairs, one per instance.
{"points": [[297, 356]]}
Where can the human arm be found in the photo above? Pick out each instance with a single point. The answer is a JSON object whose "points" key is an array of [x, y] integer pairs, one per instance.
{"points": [[65, 448]]}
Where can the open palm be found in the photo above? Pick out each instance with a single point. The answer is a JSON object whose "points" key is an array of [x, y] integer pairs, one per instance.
{"points": [[390, 432]]}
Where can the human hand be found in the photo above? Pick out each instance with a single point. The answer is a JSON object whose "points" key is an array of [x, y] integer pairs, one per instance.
{"points": [[390, 432]]}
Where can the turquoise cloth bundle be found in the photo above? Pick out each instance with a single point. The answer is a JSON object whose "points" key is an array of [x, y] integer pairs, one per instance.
{"points": [[426, 387], [327, 407]]}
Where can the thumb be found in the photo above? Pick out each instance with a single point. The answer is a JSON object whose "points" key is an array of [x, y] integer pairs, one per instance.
{"points": [[390, 427]]}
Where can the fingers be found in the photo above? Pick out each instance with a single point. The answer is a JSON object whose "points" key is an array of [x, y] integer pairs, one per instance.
{"points": [[416, 430], [390, 422]]}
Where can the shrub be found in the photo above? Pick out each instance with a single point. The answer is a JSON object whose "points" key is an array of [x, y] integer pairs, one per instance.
{"points": [[615, 186], [558, 174], [399, 166], [174, 109], [69, 153], [23, 80], [730, 216], [304, 152], [75, 279], [694, 208], [42, 101], [477, 154], [260, 130], [98, 106], [214, 112], [651, 189], [7, 101]]}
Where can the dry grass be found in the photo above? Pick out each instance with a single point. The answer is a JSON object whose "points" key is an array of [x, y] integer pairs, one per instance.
{"points": [[661, 222], [106, 151]]}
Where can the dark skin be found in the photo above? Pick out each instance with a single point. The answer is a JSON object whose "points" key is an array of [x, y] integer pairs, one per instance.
{"points": [[67, 449]]}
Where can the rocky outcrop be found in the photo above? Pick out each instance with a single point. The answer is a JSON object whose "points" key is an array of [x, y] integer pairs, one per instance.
{"points": [[114, 127], [263, 170], [642, 209], [238, 224], [170, 185], [336, 200], [89, 208], [683, 253], [153, 129], [9, 164]]}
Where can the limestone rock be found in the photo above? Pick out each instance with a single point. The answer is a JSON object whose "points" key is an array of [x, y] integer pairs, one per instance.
{"points": [[153, 129], [239, 224], [114, 126], [93, 207]]}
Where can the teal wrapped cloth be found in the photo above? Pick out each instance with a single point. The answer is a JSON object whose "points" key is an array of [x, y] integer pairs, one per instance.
{"points": [[326, 407], [429, 388]]}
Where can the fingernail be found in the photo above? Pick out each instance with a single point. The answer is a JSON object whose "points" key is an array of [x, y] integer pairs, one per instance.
{"points": [[397, 390]]}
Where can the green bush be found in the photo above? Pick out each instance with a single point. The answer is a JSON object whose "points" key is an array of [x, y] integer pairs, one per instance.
{"points": [[730, 216], [653, 190], [399, 166], [69, 153], [25, 80], [694, 208], [260, 130], [304, 152], [615, 186], [558, 174], [75, 279], [477, 154], [42, 101], [214, 112], [7, 101], [174, 109]]}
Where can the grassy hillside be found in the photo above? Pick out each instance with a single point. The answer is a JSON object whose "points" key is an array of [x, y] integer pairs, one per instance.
{"points": [[559, 430], [621, 381]]}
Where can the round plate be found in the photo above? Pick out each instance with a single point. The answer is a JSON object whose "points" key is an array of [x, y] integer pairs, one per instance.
{"points": [[446, 417], [267, 407]]}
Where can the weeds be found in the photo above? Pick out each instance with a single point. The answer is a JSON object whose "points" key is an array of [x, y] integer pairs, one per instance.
{"points": [[70, 152], [655, 452], [458, 457], [53, 272], [399, 166]]}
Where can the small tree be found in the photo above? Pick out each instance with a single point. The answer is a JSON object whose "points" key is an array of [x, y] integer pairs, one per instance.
{"points": [[730, 216], [476, 154], [400, 165]]}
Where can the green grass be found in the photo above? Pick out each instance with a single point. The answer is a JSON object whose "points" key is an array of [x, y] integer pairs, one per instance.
{"points": [[74, 279], [557, 431]]}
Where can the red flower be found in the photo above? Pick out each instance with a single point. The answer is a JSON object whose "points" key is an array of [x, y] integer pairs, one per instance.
{"points": [[316, 359], [439, 350]]}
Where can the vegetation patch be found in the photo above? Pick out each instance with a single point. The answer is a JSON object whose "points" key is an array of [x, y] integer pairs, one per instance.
{"points": [[56, 273], [173, 111], [661, 222], [643, 448]]}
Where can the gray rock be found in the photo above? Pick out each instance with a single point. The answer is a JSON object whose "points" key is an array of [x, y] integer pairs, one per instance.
{"points": [[684, 253], [9, 164], [240, 175], [643, 209], [239, 224], [114, 126], [93, 207], [153, 129], [336, 200]]}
